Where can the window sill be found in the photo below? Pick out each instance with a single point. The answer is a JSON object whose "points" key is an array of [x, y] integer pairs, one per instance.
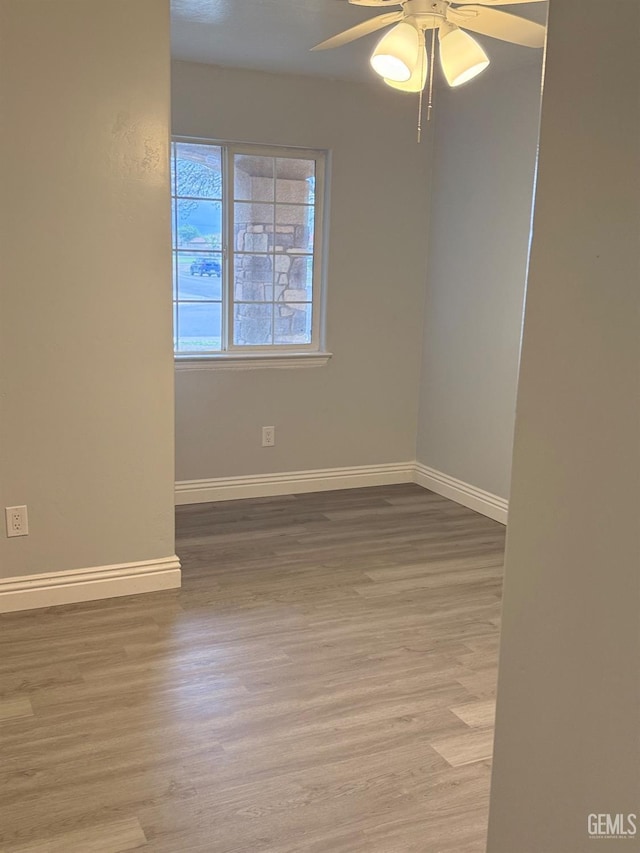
{"points": [[235, 361]]}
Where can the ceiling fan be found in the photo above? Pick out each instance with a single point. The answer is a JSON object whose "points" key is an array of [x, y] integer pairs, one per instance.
{"points": [[400, 57]]}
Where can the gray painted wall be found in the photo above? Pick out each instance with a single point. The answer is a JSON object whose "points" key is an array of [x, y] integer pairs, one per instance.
{"points": [[482, 186], [362, 407], [569, 692], [86, 366]]}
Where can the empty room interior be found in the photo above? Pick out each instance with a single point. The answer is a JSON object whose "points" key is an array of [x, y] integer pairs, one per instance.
{"points": [[319, 426]]}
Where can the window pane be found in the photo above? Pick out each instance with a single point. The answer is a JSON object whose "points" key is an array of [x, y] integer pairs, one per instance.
{"points": [[199, 224], [295, 180], [294, 227], [199, 326], [292, 324], [199, 275], [175, 326], [253, 177], [253, 324], [174, 269], [199, 170], [253, 278], [253, 227], [300, 276], [282, 265]]}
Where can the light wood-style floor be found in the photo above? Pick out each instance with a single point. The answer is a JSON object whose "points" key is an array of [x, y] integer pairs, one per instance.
{"points": [[323, 683]]}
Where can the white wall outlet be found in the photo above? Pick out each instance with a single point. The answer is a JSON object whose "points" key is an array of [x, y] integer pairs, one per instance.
{"points": [[268, 436], [17, 521]]}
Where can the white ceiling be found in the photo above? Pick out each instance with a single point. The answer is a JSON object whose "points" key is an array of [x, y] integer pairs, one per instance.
{"points": [[275, 35]]}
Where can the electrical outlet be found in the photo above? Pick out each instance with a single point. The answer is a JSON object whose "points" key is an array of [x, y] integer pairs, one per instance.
{"points": [[268, 436], [17, 521]]}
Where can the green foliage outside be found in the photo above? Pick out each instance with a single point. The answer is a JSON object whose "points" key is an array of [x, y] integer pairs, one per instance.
{"points": [[186, 233]]}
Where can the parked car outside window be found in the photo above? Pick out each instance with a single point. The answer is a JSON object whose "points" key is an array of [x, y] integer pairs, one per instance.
{"points": [[205, 266]]}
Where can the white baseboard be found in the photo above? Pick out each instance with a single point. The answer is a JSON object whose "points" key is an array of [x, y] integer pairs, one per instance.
{"points": [[462, 493], [292, 482], [52, 588], [325, 479]]}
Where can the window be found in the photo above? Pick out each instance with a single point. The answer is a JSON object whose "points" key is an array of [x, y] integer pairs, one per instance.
{"points": [[247, 229]]}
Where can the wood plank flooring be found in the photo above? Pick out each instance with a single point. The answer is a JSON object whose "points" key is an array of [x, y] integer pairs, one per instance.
{"points": [[323, 683]]}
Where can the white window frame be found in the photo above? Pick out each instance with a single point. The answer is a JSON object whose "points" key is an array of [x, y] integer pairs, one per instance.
{"points": [[262, 355]]}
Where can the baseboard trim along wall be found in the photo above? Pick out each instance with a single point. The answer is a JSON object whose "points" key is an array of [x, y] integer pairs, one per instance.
{"points": [[292, 482], [52, 588], [463, 493], [325, 479]]}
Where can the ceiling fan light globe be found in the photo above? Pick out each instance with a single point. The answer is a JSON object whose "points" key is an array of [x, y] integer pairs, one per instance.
{"points": [[470, 73], [390, 67], [461, 57], [397, 53], [418, 78]]}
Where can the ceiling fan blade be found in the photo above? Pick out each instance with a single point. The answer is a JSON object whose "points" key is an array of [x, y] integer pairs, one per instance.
{"points": [[492, 2], [379, 3], [498, 25], [360, 30]]}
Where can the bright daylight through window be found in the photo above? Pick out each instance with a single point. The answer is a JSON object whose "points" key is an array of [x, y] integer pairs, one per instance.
{"points": [[247, 224]]}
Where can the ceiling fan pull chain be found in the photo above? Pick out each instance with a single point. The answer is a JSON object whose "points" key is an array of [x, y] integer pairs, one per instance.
{"points": [[420, 116], [423, 59], [433, 62]]}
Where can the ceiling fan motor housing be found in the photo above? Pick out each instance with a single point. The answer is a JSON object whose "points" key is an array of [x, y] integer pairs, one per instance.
{"points": [[425, 14]]}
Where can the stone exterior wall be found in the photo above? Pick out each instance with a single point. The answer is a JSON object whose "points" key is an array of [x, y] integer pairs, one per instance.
{"points": [[278, 268]]}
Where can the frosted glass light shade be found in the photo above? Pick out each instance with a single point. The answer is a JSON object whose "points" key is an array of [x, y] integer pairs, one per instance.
{"points": [[418, 78], [396, 54], [461, 57]]}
